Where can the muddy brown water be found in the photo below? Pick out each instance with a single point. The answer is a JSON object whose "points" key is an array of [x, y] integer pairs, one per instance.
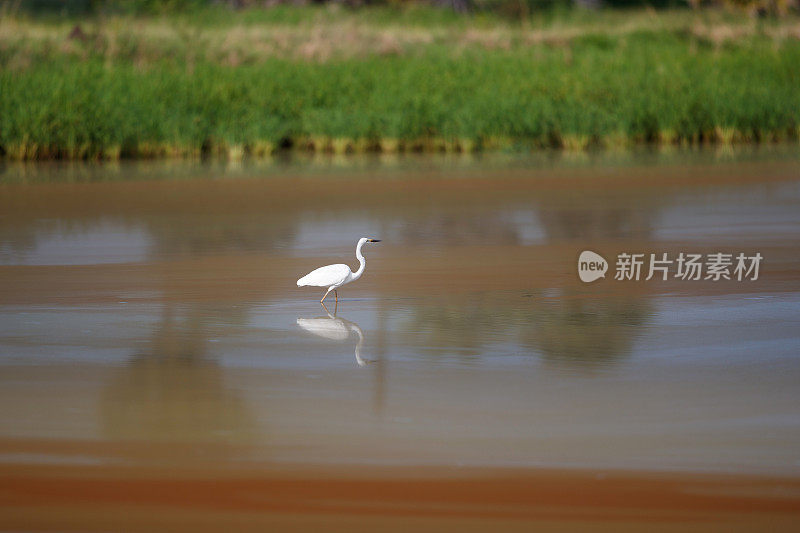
{"points": [[151, 332]]}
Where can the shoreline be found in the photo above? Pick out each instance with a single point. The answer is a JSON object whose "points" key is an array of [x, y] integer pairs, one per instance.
{"points": [[265, 150]]}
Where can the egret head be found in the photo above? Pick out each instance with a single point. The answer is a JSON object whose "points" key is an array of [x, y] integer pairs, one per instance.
{"points": [[367, 239]]}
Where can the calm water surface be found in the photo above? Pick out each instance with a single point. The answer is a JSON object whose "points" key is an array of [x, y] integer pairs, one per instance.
{"points": [[149, 313]]}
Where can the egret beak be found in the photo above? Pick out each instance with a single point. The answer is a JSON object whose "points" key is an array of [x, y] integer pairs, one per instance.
{"points": [[374, 240]]}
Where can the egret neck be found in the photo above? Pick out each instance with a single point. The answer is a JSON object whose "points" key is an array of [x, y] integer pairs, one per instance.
{"points": [[361, 261]]}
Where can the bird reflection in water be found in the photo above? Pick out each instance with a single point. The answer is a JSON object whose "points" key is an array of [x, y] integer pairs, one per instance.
{"points": [[336, 329]]}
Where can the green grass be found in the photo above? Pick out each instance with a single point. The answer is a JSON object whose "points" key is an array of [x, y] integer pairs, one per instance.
{"points": [[485, 87]]}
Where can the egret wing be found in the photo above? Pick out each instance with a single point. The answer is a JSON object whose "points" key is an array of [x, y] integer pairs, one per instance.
{"points": [[325, 276]]}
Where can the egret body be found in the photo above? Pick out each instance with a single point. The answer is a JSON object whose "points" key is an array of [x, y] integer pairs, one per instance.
{"points": [[334, 276]]}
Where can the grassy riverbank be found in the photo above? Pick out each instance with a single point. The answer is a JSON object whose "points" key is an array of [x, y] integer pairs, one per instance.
{"points": [[314, 79]]}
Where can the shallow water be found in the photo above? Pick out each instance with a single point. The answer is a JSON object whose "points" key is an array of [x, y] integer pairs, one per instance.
{"points": [[149, 314]]}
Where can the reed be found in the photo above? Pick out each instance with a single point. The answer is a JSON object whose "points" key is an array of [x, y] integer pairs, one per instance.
{"points": [[593, 88]]}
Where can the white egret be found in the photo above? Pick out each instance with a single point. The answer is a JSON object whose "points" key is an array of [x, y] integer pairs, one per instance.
{"points": [[334, 276]]}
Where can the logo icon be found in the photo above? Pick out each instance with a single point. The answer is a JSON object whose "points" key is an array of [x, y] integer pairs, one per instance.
{"points": [[591, 266]]}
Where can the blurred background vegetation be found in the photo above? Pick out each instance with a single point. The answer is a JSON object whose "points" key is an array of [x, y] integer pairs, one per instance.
{"points": [[512, 9], [92, 79]]}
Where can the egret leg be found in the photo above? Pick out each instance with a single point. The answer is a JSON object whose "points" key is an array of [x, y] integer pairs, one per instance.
{"points": [[326, 295], [336, 293]]}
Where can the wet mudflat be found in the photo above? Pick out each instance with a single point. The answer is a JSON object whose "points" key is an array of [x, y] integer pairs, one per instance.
{"points": [[159, 366]]}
